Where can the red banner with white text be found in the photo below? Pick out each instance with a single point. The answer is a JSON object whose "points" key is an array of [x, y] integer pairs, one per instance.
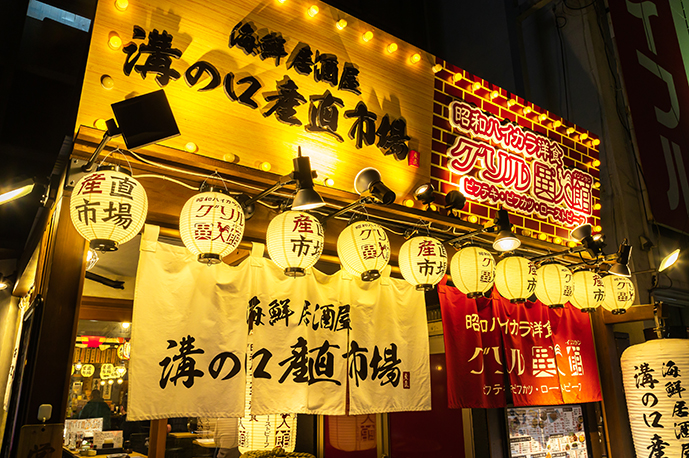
{"points": [[541, 356]]}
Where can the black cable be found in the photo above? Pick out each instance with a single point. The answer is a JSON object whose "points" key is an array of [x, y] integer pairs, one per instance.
{"points": [[563, 61], [578, 8]]}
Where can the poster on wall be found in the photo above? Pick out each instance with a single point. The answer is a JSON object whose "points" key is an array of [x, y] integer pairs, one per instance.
{"points": [[540, 432]]}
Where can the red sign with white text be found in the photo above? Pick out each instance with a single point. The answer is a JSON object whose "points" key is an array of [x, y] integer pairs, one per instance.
{"points": [[542, 356], [648, 42]]}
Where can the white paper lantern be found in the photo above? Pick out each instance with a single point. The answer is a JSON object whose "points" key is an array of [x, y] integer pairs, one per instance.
{"points": [[124, 351], [553, 285], [211, 226], [589, 292], [423, 261], [295, 242], [619, 294], [107, 371], [364, 249], [87, 370], [654, 375], [352, 433], [515, 278], [108, 207], [473, 270]]}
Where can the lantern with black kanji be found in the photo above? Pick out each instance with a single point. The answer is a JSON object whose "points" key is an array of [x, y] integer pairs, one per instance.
{"points": [[211, 225], [473, 271], [108, 207], [619, 294], [553, 285], [295, 242], [423, 261], [515, 278], [589, 292], [654, 375], [352, 433], [364, 249]]}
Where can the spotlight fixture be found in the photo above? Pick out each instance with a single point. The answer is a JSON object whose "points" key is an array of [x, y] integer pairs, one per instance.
{"points": [[424, 193], [669, 260], [306, 198], [16, 190], [455, 200], [621, 265], [368, 181], [504, 241], [582, 234]]}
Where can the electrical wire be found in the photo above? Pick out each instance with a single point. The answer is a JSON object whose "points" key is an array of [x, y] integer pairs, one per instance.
{"points": [[163, 177], [578, 8]]}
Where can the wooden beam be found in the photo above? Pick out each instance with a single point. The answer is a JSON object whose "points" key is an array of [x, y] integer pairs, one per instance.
{"points": [[634, 313], [105, 309], [156, 440]]}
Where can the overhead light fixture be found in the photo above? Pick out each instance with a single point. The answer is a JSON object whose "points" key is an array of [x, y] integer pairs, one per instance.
{"points": [[669, 260], [504, 241], [306, 198], [425, 193], [16, 190], [621, 265], [594, 244], [368, 181], [455, 200]]}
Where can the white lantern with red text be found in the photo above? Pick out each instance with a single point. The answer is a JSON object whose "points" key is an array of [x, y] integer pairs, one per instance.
{"points": [[108, 207], [295, 242], [352, 433], [423, 261], [619, 294], [654, 376], [211, 225], [364, 249], [553, 285], [473, 271], [589, 292], [515, 278]]}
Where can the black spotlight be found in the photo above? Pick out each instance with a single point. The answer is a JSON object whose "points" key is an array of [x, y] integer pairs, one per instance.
{"points": [[369, 180], [621, 265], [425, 194], [455, 200]]}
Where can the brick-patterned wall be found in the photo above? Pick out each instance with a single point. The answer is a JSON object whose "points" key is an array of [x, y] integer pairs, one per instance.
{"points": [[580, 153]]}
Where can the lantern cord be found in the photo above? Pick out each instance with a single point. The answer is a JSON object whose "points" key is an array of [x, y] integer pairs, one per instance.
{"points": [[163, 177], [216, 174], [117, 150]]}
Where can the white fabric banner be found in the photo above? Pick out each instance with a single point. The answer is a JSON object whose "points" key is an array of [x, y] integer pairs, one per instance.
{"points": [[309, 334], [189, 336], [388, 355]]}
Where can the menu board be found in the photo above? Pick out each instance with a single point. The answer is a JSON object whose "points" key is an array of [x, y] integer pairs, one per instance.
{"points": [[547, 432]]}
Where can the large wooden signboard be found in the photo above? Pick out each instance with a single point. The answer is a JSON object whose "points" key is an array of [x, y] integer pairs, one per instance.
{"points": [[250, 81]]}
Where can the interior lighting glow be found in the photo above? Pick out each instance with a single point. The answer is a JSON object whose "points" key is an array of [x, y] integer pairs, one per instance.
{"points": [[17, 192], [313, 11], [476, 86], [341, 24], [494, 95], [367, 36], [191, 147], [121, 5], [125, 325], [437, 67], [415, 58], [392, 47], [526, 110]]}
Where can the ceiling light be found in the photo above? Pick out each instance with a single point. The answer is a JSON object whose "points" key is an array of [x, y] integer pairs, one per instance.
{"points": [[669, 260], [369, 181], [307, 198], [425, 193], [505, 240], [16, 190], [621, 265], [125, 325]]}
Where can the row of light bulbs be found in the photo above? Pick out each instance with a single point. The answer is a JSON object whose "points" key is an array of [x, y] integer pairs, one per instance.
{"points": [[108, 207]]}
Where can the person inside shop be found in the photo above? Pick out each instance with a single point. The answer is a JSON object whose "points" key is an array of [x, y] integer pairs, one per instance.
{"points": [[97, 408], [226, 438]]}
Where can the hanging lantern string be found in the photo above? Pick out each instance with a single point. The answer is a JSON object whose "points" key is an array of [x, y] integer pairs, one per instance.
{"points": [[116, 151], [215, 174]]}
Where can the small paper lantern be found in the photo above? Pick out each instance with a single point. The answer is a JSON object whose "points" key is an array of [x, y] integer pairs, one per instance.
{"points": [[515, 278], [553, 285], [619, 294], [473, 271], [211, 225], [423, 262], [295, 242], [589, 292], [364, 249], [87, 370], [108, 207], [124, 351], [654, 375], [107, 371], [352, 433]]}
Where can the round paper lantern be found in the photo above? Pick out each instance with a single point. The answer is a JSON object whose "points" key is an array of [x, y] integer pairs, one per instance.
{"points": [[654, 375], [515, 278], [295, 242], [473, 271], [352, 433], [589, 292], [553, 285], [124, 351], [108, 207], [619, 294], [107, 371], [211, 225], [423, 261], [364, 249], [87, 370]]}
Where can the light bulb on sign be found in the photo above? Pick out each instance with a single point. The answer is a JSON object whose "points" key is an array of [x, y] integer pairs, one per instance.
{"points": [[476, 86], [313, 11], [121, 5], [341, 24], [595, 163], [570, 130], [392, 47], [367, 36], [329, 182], [120, 381], [409, 203], [494, 95], [511, 103], [436, 68], [595, 142], [557, 124], [583, 136], [457, 77], [114, 41], [191, 147], [526, 110], [542, 117], [415, 58]]}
